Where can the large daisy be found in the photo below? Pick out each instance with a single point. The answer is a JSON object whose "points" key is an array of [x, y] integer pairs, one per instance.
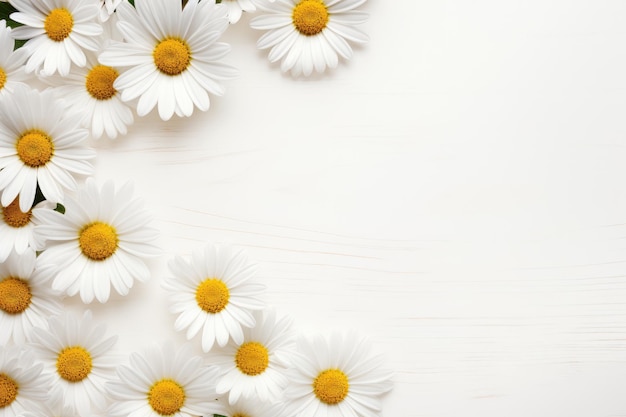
{"points": [[309, 34], [41, 144], [77, 353], [26, 301], [256, 367], [215, 293], [164, 382], [57, 32], [336, 376], [172, 55], [11, 62], [23, 386], [101, 241], [18, 229]]}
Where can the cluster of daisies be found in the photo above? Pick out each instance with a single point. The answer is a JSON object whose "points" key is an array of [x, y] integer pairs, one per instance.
{"points": [[74, 70]]}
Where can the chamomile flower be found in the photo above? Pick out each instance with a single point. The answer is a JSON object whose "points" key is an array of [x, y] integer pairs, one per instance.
{"points": [[23, 386], [336, 376], [11, 62], [101, 241], [18, 229], [26, 300], [164, 382], [57, 32], [40, 145], [172, 55], [309, 34], [236, 7], [107, 7], [77, 353], [90, 90], [253, 407], [215, 293], [256, 367]]}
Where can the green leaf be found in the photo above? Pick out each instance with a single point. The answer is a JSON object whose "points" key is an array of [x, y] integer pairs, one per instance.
{"points": [[60, 208]]}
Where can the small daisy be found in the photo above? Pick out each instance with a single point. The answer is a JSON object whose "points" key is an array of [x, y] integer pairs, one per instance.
{"points": [[75, 351], [309, 34], [236, 7], [256, 367], [90, 90], [23, 387], [26, 301], [164, 382], [214, 292], [249, 407], [100, 241], [57, 32], [17, 229], [336, 377], [172, 55], [107, 7], [40, 145], [11, 62]]}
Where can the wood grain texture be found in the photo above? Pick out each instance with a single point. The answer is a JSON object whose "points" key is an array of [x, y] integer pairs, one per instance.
{"points": [[456, 191]]}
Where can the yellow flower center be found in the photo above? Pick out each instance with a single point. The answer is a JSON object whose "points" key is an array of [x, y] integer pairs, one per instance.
{"points": [[34, 148], [240, 415], [98, 241], [166, 397], [59, 24], [331, 386], [212, 295], [99, 82], [3, 78], [13, 216], [15, 295], [172, 56], [252, 358], [310, 17], [74, 364], [8, 390]]}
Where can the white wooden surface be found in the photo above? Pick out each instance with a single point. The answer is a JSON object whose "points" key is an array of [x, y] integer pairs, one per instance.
{"points": [[457, 192]]}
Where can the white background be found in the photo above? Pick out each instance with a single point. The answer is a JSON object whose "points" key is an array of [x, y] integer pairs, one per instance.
{"points": [[456, 192]]}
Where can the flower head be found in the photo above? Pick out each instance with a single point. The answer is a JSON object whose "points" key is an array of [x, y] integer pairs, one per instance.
{"points": [[11, 62], [23, 386]]}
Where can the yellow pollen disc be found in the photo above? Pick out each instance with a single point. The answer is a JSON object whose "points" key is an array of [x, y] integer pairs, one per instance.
{"points": [[34, 148], [3, 78], [59, 24], [13, 216], [172, 56], [15, 295], [212, 295], [331, 386], [166, 397], [310, 17], [252, 358], [98, 241], [99, 82], [74, 364], [8, 390]]}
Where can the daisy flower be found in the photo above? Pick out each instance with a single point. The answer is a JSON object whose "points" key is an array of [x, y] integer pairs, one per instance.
{"points": [[164, 382], [40, 145], [309, 34], [336, 377], [171, 54], [18, 229], [26, 301], [90, 90], [250, 407], [76, 352], [100, 241], [214, 292], [57, 32], [11, 62], [236, 7], [23, 387], [256, 367]]}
